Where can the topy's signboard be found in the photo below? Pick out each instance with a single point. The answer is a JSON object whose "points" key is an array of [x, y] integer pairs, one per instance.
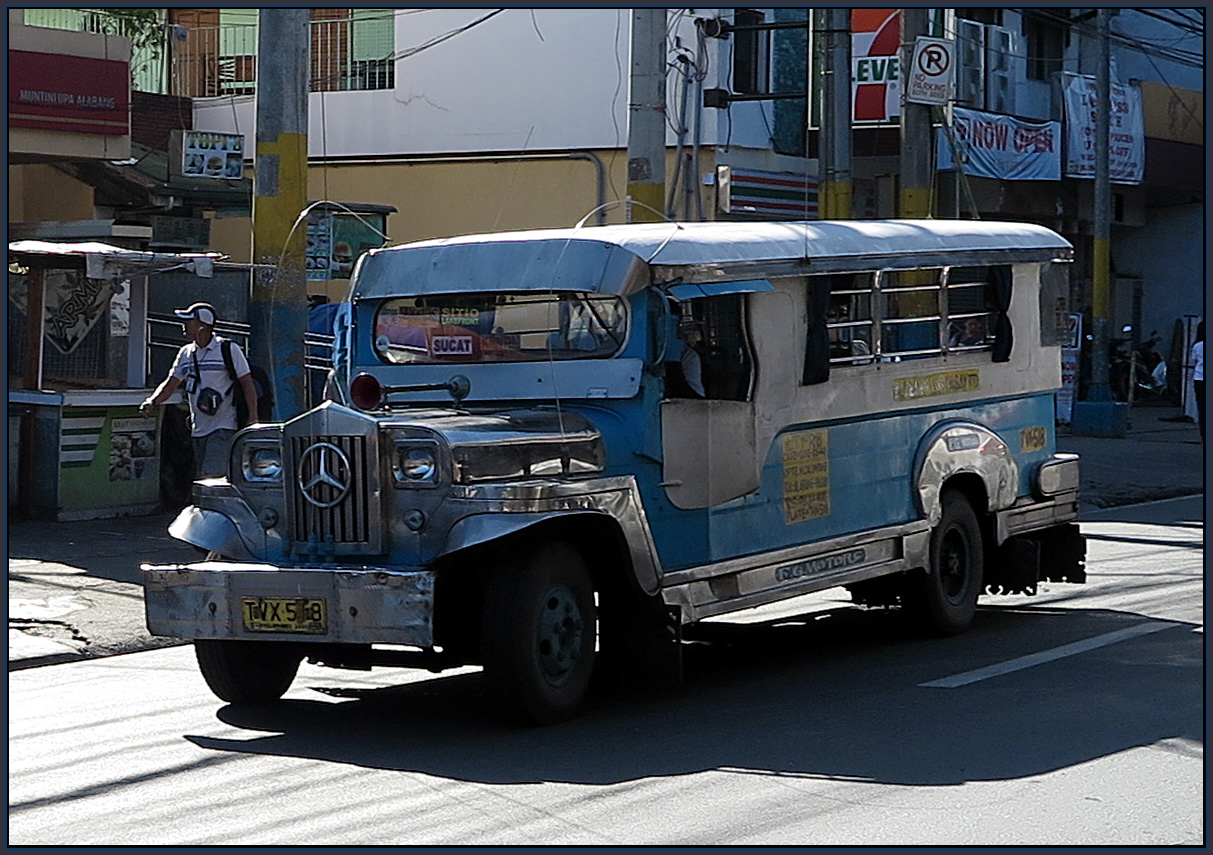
{"points": [[206, 154], [72, 94]]}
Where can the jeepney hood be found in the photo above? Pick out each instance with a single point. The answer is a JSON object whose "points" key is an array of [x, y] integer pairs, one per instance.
{"points": [[521, 443], [459, 428], [483, 445]]}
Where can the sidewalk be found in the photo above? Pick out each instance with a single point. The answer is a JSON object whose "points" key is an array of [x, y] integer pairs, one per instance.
{"points": [[74, 588], [1156, 459]]}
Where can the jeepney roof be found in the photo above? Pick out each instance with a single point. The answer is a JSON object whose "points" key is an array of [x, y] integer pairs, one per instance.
{"points": [[622, 259]]}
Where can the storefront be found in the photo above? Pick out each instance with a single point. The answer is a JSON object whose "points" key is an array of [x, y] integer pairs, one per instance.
{"points": [[78, 370]]}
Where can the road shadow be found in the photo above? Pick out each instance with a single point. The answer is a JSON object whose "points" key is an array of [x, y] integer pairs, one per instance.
{"points": [[102, 548], [830, 694]]}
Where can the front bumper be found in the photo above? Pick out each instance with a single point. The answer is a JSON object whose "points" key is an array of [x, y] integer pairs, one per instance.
{"points": [[365, 605]]}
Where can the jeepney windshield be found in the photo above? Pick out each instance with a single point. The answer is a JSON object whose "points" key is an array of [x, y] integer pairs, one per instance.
{"points": [[499, 327]]}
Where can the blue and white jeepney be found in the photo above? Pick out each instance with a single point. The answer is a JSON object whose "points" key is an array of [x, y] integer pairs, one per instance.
{"points": [[554, 450]]}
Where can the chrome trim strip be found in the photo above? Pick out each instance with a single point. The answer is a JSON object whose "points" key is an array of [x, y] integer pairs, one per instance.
{"points": [[792, 554]]}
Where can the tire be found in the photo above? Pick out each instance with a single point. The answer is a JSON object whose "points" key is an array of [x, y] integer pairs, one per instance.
{"points": [[538, 634], [248, 672], [943, 600]]}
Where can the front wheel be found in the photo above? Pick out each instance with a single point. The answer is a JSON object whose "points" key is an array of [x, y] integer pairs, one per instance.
{"points": [[248, 672], [539, 631], [943, 600]]}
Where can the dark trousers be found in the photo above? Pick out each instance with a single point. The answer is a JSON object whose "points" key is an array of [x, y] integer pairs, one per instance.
{"points": [[1200, 406]]}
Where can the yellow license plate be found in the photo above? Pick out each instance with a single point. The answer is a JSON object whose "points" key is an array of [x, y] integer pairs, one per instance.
{"points": [[285, 614]]}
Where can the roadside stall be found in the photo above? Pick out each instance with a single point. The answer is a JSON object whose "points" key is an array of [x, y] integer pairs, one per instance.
{"points": [[78, 370]]}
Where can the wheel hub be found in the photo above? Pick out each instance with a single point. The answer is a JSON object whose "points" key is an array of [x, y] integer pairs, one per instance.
{"points": [[953, 566], [559, 636]]}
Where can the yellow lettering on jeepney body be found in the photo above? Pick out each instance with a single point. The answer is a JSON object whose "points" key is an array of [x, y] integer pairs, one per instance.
{"points": [[806, 475], [930, 385]]}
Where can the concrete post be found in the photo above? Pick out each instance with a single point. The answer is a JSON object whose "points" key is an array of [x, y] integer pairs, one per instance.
{"points": [[914, 200], [278, 297], [834, 194], [646, 117]]}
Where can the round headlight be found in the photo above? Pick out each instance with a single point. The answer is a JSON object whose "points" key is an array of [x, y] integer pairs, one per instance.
{"points": [[264, 464], [418, 464]]}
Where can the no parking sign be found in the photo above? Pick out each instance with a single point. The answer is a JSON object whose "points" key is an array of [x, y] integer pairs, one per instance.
{"points": [[932, 73]]}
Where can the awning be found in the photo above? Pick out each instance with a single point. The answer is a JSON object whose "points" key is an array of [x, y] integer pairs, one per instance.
{"points": [[103, 261], [715, 289]]}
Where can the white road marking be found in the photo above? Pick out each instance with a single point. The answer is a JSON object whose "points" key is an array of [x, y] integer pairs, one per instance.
{"points": [[1034, 659]]}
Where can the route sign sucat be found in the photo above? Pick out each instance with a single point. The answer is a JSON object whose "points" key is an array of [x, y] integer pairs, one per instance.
{"points": [[932, 74]]}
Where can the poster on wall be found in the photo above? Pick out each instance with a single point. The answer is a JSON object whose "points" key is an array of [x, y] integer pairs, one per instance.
{"points": [[72, 305], [1126, 130], [132, 454], [876, 64], [1070, 353], [996, 146], [336, 240]]}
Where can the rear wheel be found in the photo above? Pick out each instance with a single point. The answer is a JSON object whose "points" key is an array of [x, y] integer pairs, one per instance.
{"points": [[943, 600], [539, 632], [248, 672]]}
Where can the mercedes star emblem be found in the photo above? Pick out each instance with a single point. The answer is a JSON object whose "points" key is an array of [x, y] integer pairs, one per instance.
{"points": [[324, 471]]}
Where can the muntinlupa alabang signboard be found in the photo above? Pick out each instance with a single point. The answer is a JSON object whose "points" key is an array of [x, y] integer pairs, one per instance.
{"points": [[69, 94]]}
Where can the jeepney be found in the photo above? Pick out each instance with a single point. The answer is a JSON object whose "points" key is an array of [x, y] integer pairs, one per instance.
{"points": [[553, 451]]}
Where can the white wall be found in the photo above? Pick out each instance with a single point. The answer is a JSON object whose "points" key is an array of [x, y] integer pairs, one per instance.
{"points": [[1167, 254], [524, 80]]}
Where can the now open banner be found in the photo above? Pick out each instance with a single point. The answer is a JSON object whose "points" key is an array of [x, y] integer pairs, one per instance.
{"points": [[991, 145]]}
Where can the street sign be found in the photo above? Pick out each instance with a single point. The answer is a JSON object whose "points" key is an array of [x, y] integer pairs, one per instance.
{"points": [[932, 73]]}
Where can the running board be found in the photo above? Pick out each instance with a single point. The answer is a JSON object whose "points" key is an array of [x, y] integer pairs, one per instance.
{"points": [[745, 583]]}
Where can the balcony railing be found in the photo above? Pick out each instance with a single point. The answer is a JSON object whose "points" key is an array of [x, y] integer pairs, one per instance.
{"points": [[352, 50], [222, 60]]}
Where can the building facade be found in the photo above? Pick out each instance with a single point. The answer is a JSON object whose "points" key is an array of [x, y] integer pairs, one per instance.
{"points": [[467, 120]]}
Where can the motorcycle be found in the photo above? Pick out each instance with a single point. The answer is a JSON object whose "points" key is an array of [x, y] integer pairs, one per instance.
{"points": [[1137, 373]]}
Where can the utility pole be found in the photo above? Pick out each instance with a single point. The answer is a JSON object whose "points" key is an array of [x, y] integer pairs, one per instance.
{"points": [[834, 194], [646, 117], [1101, 221], [278, 296], [1100, 414], [914, 199]]}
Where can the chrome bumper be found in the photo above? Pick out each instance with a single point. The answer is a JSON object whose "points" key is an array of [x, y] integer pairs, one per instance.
{"points": [[365, 605]]}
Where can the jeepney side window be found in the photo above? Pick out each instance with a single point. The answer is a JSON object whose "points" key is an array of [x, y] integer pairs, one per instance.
{"points": [[910, 327], [715, 360], [977, 300], [849, 319], [970, 320], [839, 324]]}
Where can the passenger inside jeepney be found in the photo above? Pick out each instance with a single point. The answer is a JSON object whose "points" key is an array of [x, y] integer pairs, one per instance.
{"points": [[970, 333], [684, 376]]}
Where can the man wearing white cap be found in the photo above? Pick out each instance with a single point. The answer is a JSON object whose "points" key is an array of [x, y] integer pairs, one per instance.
{"points": [[209, 389]]}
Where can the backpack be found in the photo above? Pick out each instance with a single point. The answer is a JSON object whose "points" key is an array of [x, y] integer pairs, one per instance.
{"points": [[261, 382]]}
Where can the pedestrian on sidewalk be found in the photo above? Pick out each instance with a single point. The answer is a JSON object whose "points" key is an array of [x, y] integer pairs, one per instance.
{"points": [[1198, 376], [209, 389]]}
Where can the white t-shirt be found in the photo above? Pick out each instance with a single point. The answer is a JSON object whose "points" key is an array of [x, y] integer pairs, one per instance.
{"points": [[212, 374], [1198, 360]]}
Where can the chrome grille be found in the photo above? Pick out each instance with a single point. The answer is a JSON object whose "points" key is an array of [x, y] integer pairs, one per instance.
{"points": [[348, 520]]}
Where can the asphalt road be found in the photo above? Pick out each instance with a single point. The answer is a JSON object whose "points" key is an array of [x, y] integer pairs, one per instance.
{"points": [[1075, 717]]}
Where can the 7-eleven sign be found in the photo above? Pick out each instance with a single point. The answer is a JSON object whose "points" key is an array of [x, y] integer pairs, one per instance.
{"points": [[876, 64]]}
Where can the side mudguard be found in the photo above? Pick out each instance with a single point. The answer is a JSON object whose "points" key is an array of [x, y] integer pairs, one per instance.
{"points": [[212, 531], [617, 499], [953, 448]]}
